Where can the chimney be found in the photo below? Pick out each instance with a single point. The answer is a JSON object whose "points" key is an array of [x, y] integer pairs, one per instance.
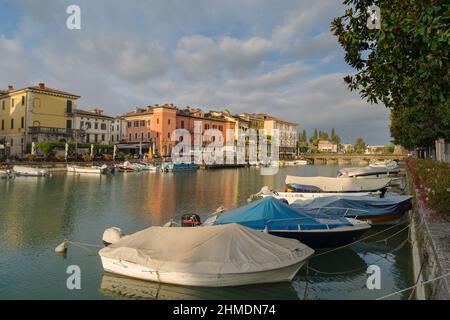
{"points": [[41, 85], [10, 88]]}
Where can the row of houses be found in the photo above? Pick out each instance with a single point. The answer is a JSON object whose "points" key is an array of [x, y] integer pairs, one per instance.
{"points": [[40, 113]]}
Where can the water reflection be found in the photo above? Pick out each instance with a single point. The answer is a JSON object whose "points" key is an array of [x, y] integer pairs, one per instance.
{"points": [[118, 287], [37, 214]]}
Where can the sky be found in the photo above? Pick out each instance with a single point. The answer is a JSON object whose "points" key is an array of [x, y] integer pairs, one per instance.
{"points": [[275, 57]]}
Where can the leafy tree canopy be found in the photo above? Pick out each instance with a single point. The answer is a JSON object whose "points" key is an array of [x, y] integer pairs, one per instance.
{"points": [[404, 64]]}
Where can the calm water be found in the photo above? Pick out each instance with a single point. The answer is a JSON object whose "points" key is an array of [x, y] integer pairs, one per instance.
{"points": [[37, 214]]}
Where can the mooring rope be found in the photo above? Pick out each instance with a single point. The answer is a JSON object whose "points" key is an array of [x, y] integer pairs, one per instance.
{"points": [[414, 286], [357, 241]]}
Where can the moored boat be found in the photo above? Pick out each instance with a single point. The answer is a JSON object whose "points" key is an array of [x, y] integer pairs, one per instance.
{"points": [[25, 171], [292, 196], [344, 184], [277, 218], [88, 170], [369, 172], [379, 211], [215, 256], [171, 167]]}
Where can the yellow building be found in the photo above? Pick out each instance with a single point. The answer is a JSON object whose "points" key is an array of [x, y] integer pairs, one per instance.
{"points": [[287, 135], [35, 113]]}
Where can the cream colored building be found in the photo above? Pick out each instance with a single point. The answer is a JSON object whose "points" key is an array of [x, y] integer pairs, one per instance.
{"points": [[95, 124], [35, 114], [287, 134]]}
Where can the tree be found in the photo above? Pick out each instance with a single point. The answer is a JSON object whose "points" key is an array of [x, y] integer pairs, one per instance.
{"points": [[303, 138], [359, 146], [334, 137], [404, 64], [315, 138]]}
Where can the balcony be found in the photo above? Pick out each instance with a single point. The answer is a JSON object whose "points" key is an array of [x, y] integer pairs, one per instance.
{"points": [[55, 131]]}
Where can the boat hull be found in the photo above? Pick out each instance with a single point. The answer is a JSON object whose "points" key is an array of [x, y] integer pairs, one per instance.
{"points": [[29, 172], [133, 270], [323, 239], [344, 184]]}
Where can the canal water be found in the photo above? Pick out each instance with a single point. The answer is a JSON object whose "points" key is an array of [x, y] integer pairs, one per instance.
{"points": [[36, 214]]}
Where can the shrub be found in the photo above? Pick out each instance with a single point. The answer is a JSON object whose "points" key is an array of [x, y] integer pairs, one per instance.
{"points": [[432, 181], [86, 157], [29, 157]]}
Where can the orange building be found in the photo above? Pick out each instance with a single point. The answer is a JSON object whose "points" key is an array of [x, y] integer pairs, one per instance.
{"points": [[152, 127]]}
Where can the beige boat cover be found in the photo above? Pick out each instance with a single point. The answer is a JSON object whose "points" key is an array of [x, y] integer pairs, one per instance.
{"points": [[341, 184], [230, 248]]}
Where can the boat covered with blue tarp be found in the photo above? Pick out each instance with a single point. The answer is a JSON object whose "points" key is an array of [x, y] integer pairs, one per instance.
{"points": [[278, 218], [386, 210]]}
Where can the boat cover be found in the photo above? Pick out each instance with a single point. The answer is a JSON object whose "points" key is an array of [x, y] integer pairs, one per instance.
{"points": [[276, 215], [341, 184], [210, 250], [360, 206]]}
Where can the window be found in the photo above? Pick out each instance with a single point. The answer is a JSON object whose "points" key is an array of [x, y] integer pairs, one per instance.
{"points": [[23, 100], [12, 123], [103, 137], [136, 123], [221, 128], [88, 138], [117, 138], [168, 135], [3, 124], [12, 103], [81, 124], [182, 124], [129, 137], [135, 136], [103, 126], [142, 123], [117, 128], [157, 121], [96, 125], [206, 126], [69, 106], [142, 136], [148, 123], [148, 135], [69, 124], [3, 104], [96, 138], [129, 124], [214, 126], [112, 138], [22, 122], [168, 121], [157, 134]]}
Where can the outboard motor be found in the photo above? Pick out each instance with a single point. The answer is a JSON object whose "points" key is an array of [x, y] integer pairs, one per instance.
{"points": [[190, 220], [112, 235]]}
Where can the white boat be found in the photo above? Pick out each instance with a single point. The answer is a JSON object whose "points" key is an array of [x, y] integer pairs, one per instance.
{"points": [[384, 164], [338, 184], [87, 170], [369, 172], [216, 256], [292, 197], [29, 171], [296, 163]]}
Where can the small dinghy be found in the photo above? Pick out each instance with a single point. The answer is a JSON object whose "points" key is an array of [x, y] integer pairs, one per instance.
{"points": [[216, 256], [337, 184], [29, 171], [278, 218], [379, 211]]}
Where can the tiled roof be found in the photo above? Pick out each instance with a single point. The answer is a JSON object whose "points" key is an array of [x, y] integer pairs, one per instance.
{"points": [[91, 114], [55, 91]]}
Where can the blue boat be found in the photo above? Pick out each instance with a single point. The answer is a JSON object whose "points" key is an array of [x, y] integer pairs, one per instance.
{"points": [[277, 218], [379, 211], [169, 167]]}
